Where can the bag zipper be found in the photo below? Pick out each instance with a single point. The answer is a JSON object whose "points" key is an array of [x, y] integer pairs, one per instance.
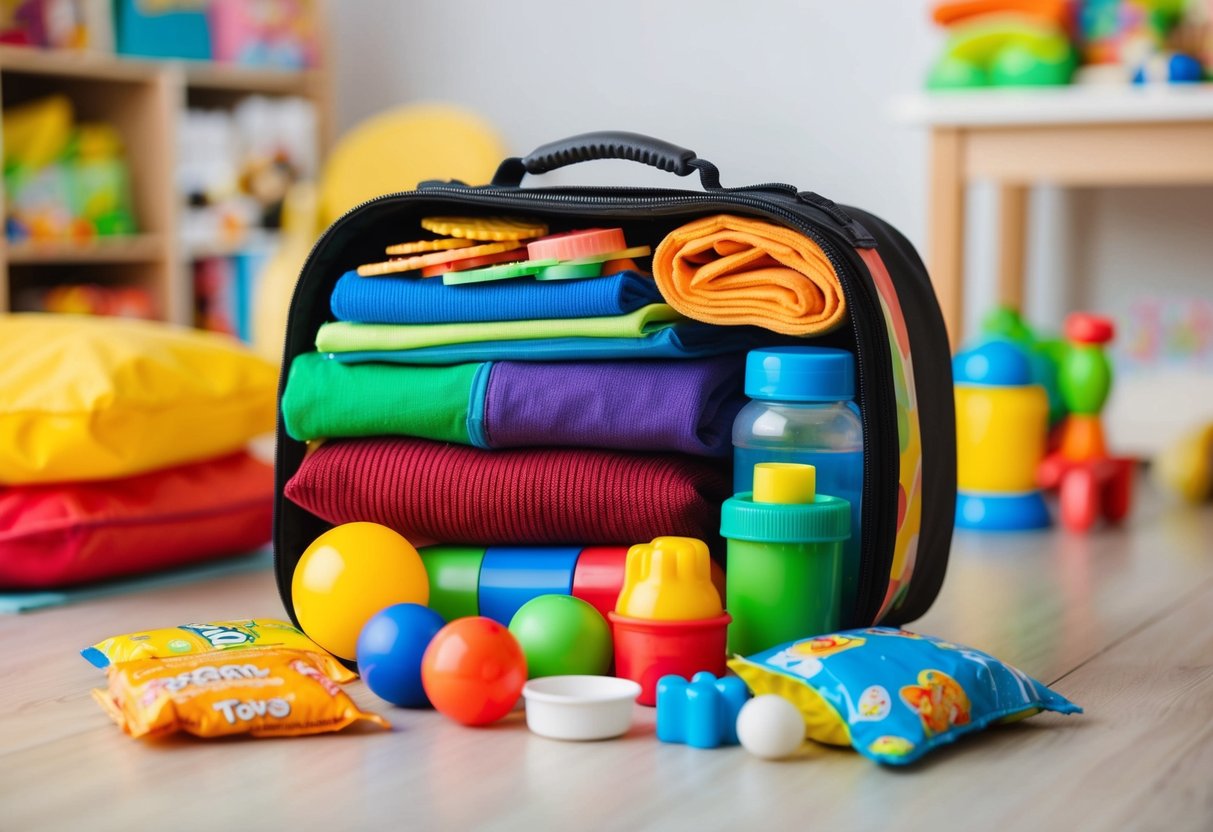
{"points": [[884, 466]]}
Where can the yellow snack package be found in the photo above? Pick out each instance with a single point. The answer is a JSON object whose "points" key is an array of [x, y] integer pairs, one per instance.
{"points": [[263, 691], [185, 639]]}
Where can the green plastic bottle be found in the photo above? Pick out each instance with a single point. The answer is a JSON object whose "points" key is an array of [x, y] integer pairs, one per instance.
{"points": [[785, 553]]}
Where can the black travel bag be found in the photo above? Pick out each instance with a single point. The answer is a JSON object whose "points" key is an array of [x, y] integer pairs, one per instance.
{"points": [[895, 329]]}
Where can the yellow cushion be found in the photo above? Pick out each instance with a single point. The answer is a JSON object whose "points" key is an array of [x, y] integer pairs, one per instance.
{"points": [[84, 398]]}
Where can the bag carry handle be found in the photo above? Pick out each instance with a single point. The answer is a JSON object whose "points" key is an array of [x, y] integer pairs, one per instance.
{"points": [[608, 144]]}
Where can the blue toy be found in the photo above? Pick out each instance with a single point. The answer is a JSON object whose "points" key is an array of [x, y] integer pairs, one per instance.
{"points": [[390, 648], [701, 713], [1169, 68], [512, 575]]}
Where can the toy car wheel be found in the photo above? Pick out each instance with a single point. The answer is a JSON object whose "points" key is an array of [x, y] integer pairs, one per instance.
{"points": [[1079, 500]]}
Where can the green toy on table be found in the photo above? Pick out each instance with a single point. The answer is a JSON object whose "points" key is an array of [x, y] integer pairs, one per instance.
{"points": [[1002, 43]]}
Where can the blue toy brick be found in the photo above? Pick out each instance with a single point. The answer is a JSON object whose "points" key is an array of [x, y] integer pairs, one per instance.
{"points": [[512, 575], [701, 713]]}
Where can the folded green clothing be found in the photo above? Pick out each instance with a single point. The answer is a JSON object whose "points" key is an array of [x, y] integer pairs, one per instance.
{"points": [[323, 398], [344, 336]]}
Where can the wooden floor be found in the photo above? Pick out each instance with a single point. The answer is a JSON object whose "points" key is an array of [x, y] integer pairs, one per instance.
{"points": [[1120, 622]]}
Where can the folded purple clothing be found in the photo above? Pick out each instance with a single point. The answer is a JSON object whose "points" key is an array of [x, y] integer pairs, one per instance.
{"points": [[686, 406]]}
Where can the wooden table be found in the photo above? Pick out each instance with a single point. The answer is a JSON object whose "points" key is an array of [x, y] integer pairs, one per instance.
{"points": [[1068, 136], [1120, 622]]}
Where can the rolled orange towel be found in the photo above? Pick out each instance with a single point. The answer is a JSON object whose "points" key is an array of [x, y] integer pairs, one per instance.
{"points": [[732, 270]]}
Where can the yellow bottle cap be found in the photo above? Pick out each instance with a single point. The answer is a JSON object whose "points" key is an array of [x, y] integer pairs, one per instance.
{"points": [[787, 483]]}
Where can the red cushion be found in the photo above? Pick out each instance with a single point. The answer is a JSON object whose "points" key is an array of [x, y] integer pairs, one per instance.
{"points": [[54, 535], [536, 496]]}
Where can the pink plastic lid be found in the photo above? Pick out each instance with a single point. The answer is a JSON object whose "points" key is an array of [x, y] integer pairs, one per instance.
{"points": [[574, 245]]}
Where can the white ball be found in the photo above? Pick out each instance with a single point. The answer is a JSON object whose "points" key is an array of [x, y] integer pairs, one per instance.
{"points": [[770, 727]]}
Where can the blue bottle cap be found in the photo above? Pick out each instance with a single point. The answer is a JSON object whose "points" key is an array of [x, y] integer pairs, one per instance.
{"points": [[995, 363], [800, 374]]}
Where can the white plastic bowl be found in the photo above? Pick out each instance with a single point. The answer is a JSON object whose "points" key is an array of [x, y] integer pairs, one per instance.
{"points": [[579, 707]]}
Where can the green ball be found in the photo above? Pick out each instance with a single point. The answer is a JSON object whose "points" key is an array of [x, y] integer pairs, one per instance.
{"points": [[562, 635]]}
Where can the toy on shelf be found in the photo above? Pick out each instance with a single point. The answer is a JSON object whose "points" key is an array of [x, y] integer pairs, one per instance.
{"points": [[89, 299], [163, 29], [579, 707], [63, 180], [390, 648], [784, 557], [473, 671], [1141, 41], [237, 166], [701, 713], [271, 33], [225, 289], [1001, 427], [57, 24], [1002, 43], [1090, 483], [562, 636], [669, 618]]}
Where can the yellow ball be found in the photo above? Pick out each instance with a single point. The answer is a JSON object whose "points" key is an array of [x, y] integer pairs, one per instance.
{"points": [[347, 575]]}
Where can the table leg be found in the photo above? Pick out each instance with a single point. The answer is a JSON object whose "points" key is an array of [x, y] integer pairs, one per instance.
{"points": [[1012, 243], [946, 233]]}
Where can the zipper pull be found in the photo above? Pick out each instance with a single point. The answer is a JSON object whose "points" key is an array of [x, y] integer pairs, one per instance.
{"points": [[857, 233]]}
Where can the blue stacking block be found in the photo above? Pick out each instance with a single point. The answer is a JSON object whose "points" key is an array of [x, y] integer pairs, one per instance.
{"points": [[701, 713], [512, 575]]}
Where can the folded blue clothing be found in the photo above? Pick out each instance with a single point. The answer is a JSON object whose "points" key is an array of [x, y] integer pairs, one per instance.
{"points": [[683, 340], [421, 300]]}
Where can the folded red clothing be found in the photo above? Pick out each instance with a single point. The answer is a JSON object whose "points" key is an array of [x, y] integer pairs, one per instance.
{"points": [[456, 494]]}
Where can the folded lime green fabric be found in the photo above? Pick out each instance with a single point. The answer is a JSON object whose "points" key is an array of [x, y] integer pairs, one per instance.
{"points": [[324, 398], [344, 336]]}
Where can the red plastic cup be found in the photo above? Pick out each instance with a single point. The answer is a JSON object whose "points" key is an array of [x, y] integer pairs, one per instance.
{"points": [[598, 578], [646, 650]]}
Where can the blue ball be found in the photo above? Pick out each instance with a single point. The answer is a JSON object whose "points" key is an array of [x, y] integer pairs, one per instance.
{"points": [[390, 648]]}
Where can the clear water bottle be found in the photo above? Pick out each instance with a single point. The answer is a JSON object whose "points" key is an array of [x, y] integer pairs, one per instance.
{"points": [[803, 410]]}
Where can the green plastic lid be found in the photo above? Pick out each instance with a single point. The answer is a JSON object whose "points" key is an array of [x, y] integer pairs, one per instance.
{"points": [[825, 520]]}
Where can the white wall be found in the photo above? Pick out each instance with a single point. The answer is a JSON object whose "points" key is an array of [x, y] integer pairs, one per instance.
{"points": [[769, 90], [788, 90]]}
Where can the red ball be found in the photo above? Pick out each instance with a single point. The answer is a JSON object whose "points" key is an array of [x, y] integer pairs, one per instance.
{"points": [[473, 671]]}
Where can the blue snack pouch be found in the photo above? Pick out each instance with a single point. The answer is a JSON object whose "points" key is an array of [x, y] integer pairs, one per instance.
{"points": [[894, 695]]}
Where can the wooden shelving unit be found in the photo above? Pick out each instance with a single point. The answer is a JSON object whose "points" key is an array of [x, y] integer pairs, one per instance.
{"points": [[143, 100], [138, 248]]}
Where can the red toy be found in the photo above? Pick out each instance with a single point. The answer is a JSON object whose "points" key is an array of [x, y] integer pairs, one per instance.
{"points": [[1088, 480], [473, 671]]}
